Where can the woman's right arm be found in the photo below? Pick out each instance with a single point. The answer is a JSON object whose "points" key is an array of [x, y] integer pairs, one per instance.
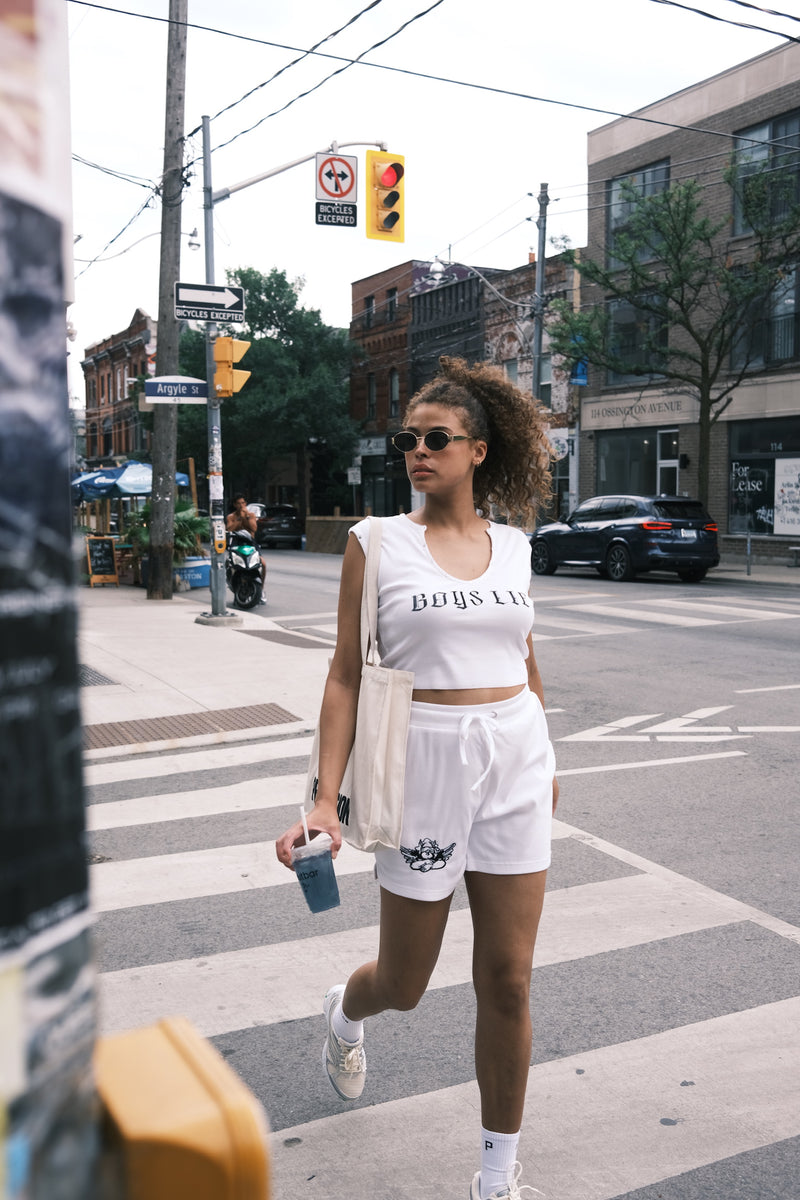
{"points": [[337, 719]]}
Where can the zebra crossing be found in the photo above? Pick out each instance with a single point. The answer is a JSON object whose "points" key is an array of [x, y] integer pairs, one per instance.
{"points": [[650, 1067], [604, 613]]}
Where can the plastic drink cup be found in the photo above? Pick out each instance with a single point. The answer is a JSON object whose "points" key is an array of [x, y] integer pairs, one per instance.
{"points": [[313, 866]]}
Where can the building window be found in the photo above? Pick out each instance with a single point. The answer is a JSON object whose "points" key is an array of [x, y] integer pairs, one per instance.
{"points": [[638, 339], [627, 462], [371, 402], [510, 369], [622, 194], [391, 304], [394, 392], [769, 334], [545, 380], [369, 311], [764, 476], [767, 172]]}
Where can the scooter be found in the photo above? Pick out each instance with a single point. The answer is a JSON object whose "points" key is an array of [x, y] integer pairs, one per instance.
{"points": [[243, 569]]}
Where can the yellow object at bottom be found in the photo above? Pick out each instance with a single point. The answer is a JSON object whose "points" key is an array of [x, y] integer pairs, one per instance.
{"points": [[179, 1120]]}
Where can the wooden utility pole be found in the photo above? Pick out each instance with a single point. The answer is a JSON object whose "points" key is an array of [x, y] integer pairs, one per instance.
{"points": [[165, 417]]}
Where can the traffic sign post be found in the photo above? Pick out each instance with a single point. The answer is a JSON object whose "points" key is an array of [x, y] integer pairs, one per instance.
{"points": [[208, 302], [336, 182]]}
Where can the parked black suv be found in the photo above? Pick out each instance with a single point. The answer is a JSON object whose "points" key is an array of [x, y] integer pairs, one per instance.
{"points": [[624, 535], [278, 525]]}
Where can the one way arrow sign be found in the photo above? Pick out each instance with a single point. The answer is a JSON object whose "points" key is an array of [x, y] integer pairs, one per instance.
{"points": [[209, 302]]}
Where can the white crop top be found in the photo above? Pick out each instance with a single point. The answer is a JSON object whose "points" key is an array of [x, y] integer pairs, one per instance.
{"points": [[452, 633]]}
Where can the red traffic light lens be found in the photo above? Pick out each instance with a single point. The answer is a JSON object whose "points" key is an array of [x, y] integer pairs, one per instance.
{"points": [[391, 175]]}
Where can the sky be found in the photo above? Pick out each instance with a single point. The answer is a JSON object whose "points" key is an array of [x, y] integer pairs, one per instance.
{"points": [[475, 156]]}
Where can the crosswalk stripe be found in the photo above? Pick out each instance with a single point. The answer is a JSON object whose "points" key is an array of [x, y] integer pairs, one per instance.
{"points": [[244, 988], [597, 1125], [190, 874], [550, 620], [756, 614], [194, 873], [640, 614], [273, 791], [201, 760]]}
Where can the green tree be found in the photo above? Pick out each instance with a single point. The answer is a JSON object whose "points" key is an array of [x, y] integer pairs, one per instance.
{"points": [[298, 387], [700, 298]]}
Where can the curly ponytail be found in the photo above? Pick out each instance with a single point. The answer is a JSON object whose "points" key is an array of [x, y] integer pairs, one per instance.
{"points": [[515, 476]]}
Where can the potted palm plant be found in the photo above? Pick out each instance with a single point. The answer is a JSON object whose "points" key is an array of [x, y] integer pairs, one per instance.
{"points": [[190, 559]]}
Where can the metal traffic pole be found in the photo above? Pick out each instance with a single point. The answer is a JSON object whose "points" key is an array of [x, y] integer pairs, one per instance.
{"points": [[218, 615]]}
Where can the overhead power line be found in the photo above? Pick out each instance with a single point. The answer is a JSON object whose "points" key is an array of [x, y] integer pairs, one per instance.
{"points": [[770, 12], [726, 20], [300, 58], [348, 63], [481, 87]]}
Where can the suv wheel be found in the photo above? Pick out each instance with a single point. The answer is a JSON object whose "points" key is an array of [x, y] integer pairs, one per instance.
{"points": [[618, 563], [541, 559]]}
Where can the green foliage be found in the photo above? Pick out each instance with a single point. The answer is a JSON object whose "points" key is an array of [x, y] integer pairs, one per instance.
{"points": [[298, 387], [189, 531]]}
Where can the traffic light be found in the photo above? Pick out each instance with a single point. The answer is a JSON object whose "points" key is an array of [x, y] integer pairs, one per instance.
{"points": [[385, 196], [227, 351]]}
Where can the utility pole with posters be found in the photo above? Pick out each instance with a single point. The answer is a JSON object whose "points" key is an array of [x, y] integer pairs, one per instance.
{"points": [[48, 1130], [165, 418]]}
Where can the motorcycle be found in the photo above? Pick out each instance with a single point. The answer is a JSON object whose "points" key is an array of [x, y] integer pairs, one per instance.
{"points": [[243, 569]]}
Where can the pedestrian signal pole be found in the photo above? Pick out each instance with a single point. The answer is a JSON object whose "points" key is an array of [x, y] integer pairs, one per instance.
{"points": [[223, 380]]}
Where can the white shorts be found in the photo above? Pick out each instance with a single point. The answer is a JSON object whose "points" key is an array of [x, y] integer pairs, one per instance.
{"points": [[478, 796]]}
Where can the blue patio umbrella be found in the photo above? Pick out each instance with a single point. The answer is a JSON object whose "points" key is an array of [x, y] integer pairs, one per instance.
{"points": [[131, 479]]}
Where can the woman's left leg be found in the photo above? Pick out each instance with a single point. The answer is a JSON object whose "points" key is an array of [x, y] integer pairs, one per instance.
{"points": [[505, 917]]}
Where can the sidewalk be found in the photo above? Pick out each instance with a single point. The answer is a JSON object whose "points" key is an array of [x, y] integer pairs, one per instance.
{"points": [[155, 679], [158, 680]]}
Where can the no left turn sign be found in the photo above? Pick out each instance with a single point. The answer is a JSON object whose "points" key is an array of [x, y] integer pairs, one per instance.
{"points": [[336, 177]]}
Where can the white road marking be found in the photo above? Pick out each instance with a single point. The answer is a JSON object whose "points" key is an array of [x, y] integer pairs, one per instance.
{"points": [[651, 762], [240, 989], [756, 614], [640, 614], [202, 760], [781, 687], [271, 792], [769, 728], [194, 873], [635, 1113]]}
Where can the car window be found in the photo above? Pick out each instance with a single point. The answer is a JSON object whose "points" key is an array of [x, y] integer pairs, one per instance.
{"points": [[588, 511], [680, 509], [611, 508]]}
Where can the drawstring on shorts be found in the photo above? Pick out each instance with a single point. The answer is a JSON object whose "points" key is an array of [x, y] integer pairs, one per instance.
{"points": [[488, 724]]}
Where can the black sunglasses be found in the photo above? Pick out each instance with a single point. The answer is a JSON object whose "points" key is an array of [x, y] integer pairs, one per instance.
{"points": [[436, 439]]}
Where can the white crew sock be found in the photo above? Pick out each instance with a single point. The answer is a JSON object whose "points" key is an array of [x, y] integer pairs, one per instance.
{"points": [[344, 1028], [498, 1155]]}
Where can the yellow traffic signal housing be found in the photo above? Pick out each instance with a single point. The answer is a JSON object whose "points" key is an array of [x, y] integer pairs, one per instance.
{"points": [[227, 351], [177, 1121], [385, 196]]}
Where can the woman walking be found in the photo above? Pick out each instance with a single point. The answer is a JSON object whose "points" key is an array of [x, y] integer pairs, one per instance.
{"points": [[480, 786]]}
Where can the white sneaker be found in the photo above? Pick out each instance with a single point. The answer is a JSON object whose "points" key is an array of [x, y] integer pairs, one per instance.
{"points": [[345, 1062], [512, 1192]]}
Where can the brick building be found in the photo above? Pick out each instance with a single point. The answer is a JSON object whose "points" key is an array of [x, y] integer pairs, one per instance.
{"points": [[111, 368], [405, 318], [638, 433]]}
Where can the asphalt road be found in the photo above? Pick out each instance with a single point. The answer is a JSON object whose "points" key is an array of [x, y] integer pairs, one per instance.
{"points": [[669, 955]]}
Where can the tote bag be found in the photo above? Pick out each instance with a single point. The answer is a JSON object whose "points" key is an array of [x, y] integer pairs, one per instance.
{"points": [[370, 803]]}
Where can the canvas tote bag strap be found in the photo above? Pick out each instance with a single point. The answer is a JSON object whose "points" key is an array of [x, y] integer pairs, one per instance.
{"points": [[369, 593]]}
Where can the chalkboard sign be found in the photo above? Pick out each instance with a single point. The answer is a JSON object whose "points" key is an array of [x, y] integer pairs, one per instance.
{"points": [[102, 560]]}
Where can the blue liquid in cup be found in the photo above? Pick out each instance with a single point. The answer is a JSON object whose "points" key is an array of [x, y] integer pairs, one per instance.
{"points": [[317, 879]]}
